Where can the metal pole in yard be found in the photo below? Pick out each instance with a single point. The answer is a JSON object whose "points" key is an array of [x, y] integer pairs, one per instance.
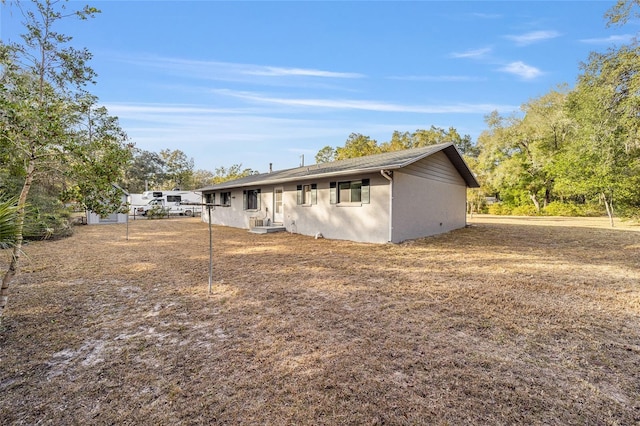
{"points": [[210, 250]]}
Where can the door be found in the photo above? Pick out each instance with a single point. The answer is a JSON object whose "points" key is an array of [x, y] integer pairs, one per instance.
{"points": [[278, 206]]}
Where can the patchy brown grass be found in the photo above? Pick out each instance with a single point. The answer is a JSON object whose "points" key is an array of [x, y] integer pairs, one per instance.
{"points": [[533, 321]]}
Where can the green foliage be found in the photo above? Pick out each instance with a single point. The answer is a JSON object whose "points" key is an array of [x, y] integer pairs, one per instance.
{"points": [[358, 145], [602, 162], [96, 159], [202, 178], [326, 155], [46, 218], [525, 210], [558, 208], [51, 131], [178, 169], [622, 12], [518, 152], [168, 169], [145, 170], [8, 215], [157, 212], [500, 209], [224, 174], [582, 144]]}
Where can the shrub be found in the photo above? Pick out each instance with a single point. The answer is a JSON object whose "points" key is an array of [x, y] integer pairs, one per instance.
{"points": [[157, 212], [499, 209], [46, 218], [557, 208], [526, 210]]}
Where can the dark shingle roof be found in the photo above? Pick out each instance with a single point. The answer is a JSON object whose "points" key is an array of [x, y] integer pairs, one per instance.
{"points": [[370, 163]]}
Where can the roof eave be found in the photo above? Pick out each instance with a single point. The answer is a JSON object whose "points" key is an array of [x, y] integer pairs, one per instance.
{"points": [[297, 178], [462, 166], [457, 161], [448, 148]]}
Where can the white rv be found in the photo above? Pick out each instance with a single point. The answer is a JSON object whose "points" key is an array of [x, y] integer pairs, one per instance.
{"points": [[183, 203]]}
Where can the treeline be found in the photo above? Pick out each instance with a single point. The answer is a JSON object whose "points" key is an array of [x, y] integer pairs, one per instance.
{"points": [[358, 145], [169, 169]]}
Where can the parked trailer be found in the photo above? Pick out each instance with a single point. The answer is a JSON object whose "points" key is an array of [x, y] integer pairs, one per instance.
{"points": [[183, 203]]}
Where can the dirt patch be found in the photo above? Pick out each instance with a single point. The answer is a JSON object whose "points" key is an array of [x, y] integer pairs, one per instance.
{"points": [[506, 321]]}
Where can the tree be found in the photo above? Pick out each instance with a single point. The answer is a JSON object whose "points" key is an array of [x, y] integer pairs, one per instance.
{"points": [[518, 152], [325, 155], [202, 178], [39, 83], [622, 11], [434, 135], [167, 169], [467, 148], [357, 145], [145, 171], [224, 174], [603, 160], [98, 157], [399, 141], [178, 169]]}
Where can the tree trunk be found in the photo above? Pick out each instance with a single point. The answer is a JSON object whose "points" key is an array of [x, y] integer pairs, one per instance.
{"points": [[547, 197], [609, 206], [535, 202], [14, 265]]}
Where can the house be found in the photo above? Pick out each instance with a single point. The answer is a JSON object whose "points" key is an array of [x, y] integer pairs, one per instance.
{"points": [[390, 197], [96, 219]]}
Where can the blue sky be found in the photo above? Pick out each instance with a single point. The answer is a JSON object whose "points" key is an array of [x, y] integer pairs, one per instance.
{"points": [[267, 82]]}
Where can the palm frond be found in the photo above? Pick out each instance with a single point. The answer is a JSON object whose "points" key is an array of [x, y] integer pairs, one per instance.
{"points": [[8, 216]]}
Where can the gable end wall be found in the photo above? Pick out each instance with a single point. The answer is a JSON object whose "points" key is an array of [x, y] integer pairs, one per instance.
{"points": [[429, 197]]}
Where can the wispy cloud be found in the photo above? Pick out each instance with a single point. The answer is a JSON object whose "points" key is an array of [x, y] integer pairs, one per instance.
{"points": [[271, 128], [288, 72], [522, 70], [437, 78], [367, 105], [474, 53], [229, 71], [613, 39], [169, 109], [533, 37]]}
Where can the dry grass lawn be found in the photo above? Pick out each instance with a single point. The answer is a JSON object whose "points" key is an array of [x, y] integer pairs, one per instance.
{"points": [[530, 321]]}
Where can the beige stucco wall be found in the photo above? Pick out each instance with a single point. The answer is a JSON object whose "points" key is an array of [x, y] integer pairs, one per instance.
{"points": [[234, 215], [429, 198], [360, 222], [355, 222]]}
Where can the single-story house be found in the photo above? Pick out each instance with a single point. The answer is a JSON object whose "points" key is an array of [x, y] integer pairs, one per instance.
{"points": [[390, 197], [96, 219]]}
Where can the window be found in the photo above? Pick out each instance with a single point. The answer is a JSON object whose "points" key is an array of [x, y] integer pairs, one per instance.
{"points": [[174, 198], [307, 194], [210, 198], [225, 198], [354, 191], [251, 199]]}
